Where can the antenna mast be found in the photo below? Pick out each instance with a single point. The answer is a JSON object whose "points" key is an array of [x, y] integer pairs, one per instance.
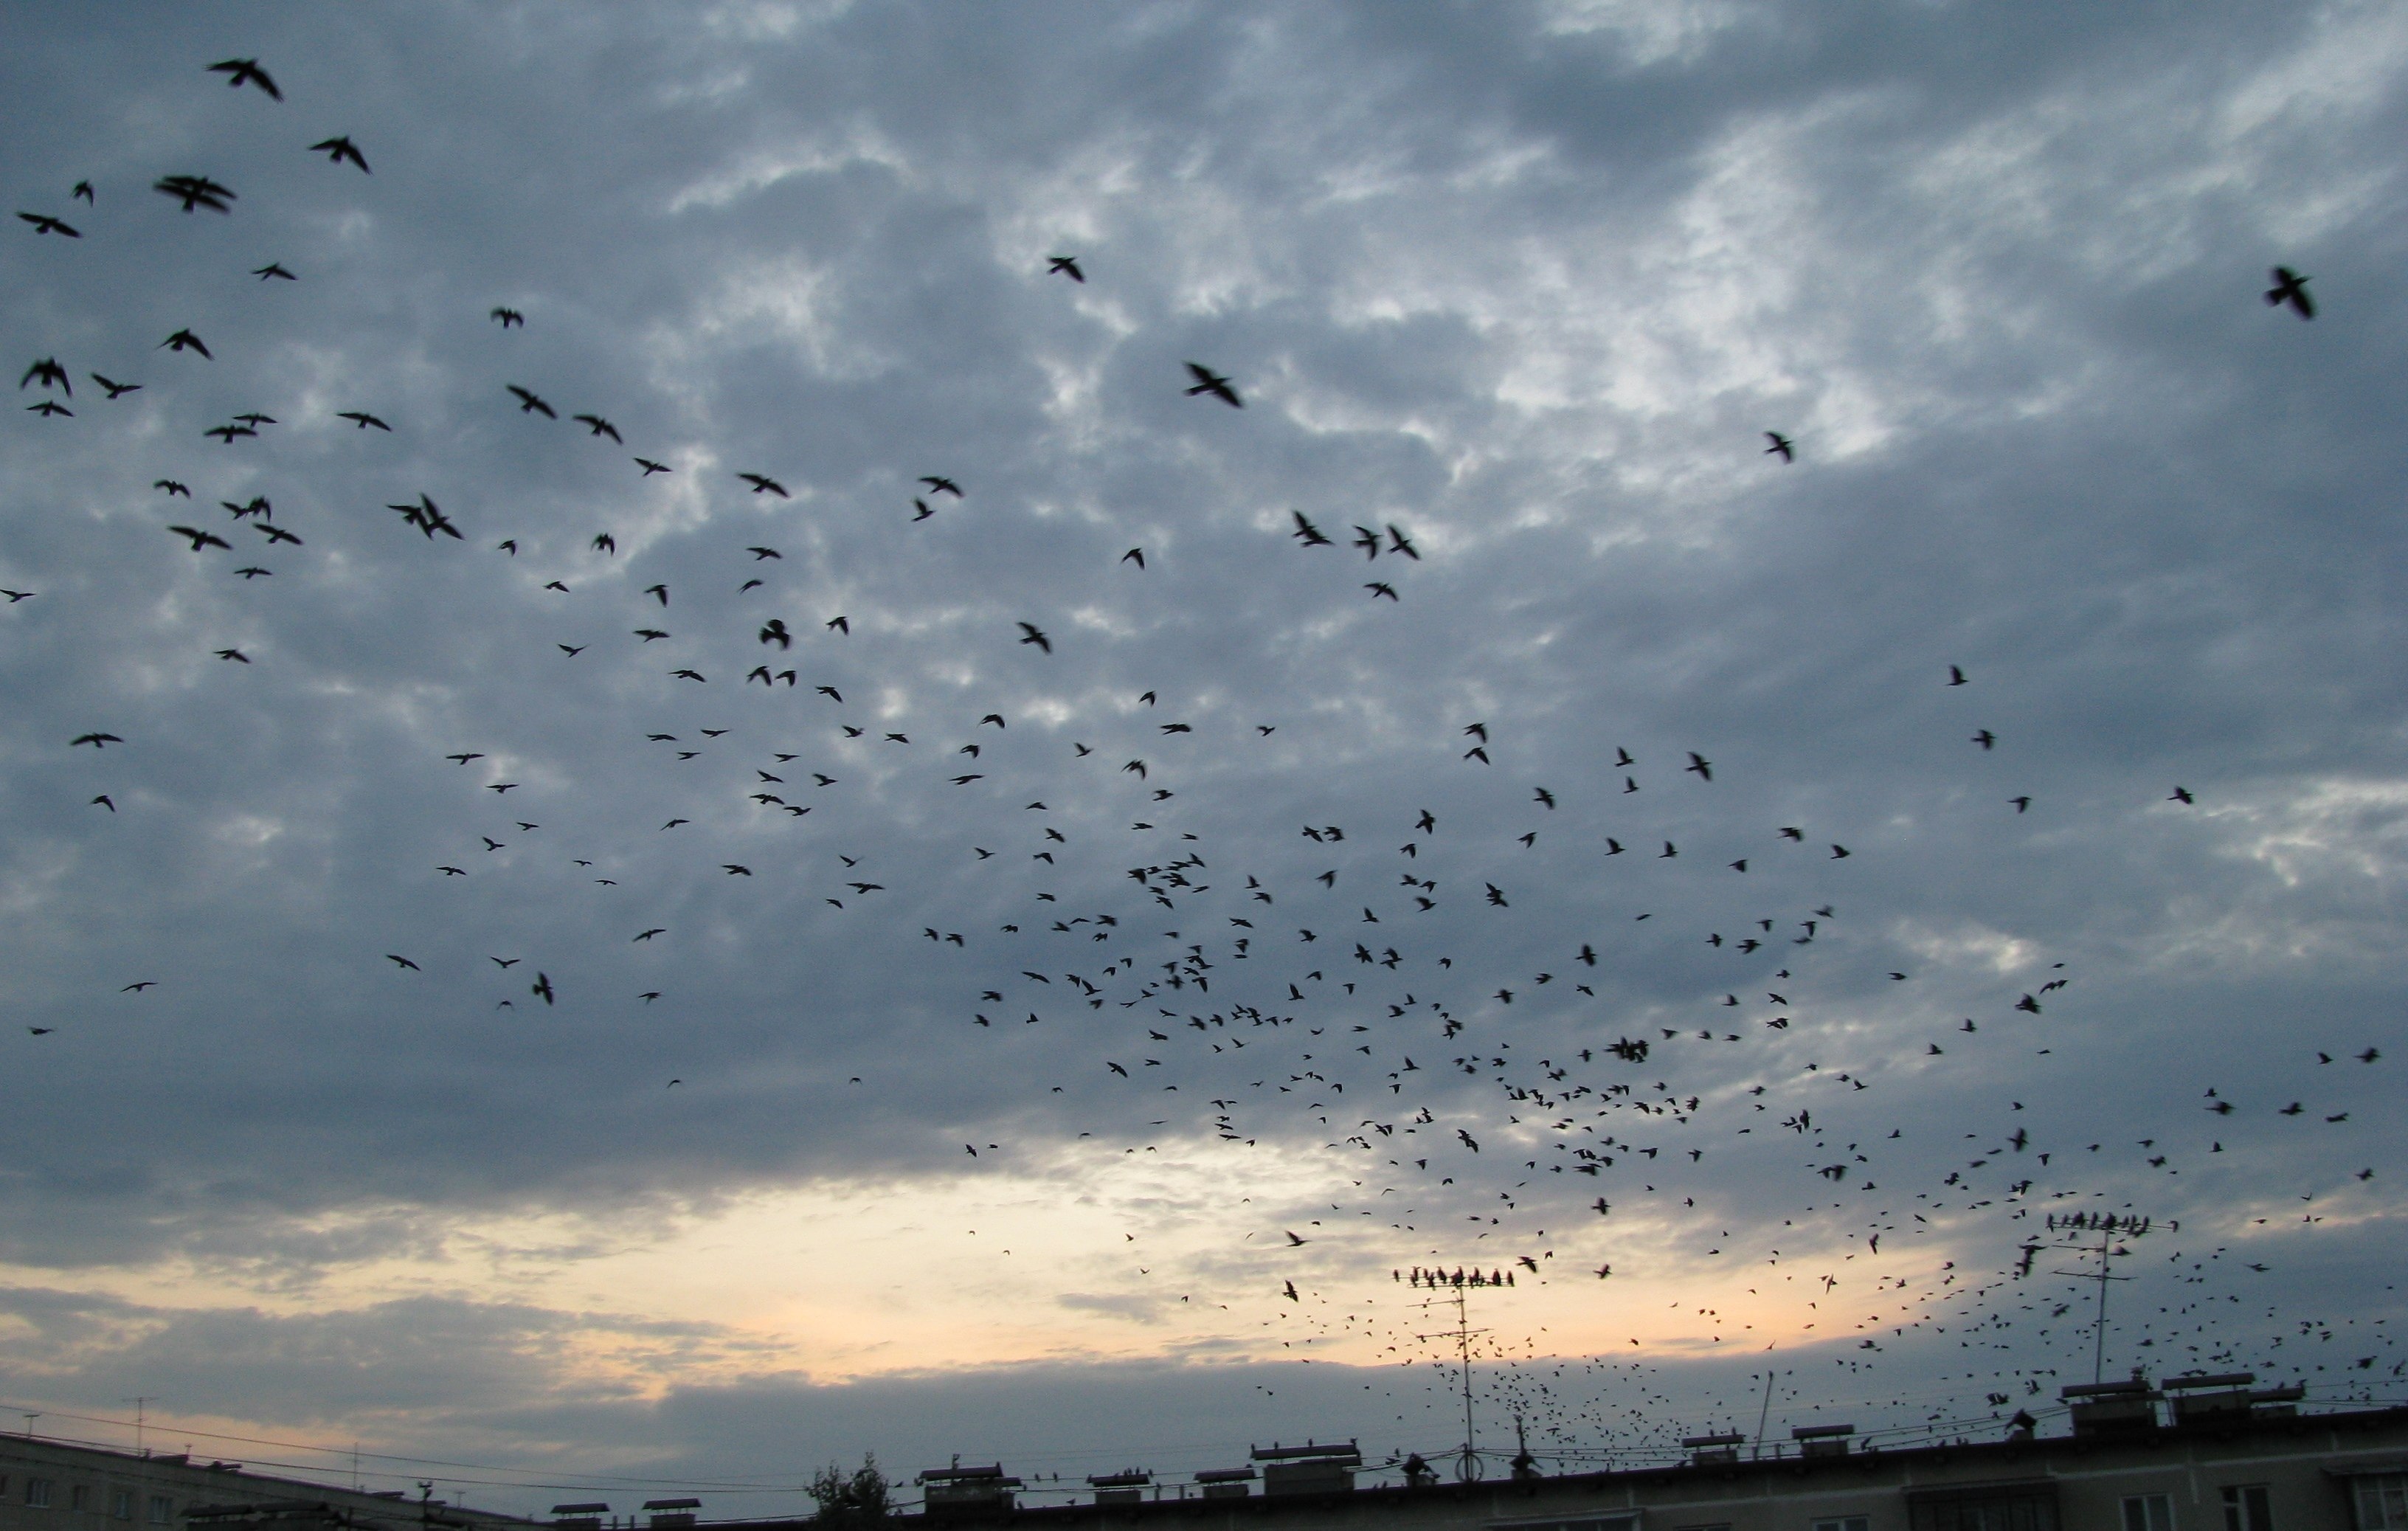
{"points": [[1453, 1287], [2109, 1229]]}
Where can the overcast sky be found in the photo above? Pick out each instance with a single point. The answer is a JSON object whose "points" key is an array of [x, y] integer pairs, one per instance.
{"points": [[1058, 1068]]}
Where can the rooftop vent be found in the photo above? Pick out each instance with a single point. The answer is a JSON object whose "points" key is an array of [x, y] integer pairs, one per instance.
{"points": [[1120, 1488], [958, 1489], [1225, 1482], [2112, 1409], [1310, 1468], [1704, 1451], [1823, 1440]]}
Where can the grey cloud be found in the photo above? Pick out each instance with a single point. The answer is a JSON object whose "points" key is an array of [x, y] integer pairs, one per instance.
{"points": [[1529, 293]]}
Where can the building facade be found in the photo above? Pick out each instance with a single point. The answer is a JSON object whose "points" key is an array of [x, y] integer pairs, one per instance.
{"points": [[51, 1485], [2238, 1469]]}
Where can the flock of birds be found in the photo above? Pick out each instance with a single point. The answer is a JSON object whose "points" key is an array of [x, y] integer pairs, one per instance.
{"points": [[1307, 1011]]}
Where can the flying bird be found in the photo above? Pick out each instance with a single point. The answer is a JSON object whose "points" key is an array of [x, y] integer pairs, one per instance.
{"points": [[1780, 448], [507, 318], [1067, 266], [937, 484], [651, 467], [195, 192], [337, 149], [2291, 288], [1208, 382], [50, 374], [98, 741], [530, 403], [116, 389], [596, 425], [241, 72], [763, 484], [362, 420], [44, 223], [1030, 635], [201, 538], [273, 270], [185, 340]]}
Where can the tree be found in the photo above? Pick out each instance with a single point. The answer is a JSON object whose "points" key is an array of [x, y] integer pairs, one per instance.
{"points": [[857, 1498]]}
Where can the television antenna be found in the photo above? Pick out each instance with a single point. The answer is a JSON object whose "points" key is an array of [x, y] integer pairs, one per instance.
{"points": [[1455, 1287], [2110, 1228]]}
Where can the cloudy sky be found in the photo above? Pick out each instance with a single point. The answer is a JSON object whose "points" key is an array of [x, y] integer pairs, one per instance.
{"points": [[956, 1043]]}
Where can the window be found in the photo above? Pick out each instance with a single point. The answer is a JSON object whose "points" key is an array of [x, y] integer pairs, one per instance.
{"points": [[2148, 1512], [2002, 1508], [1844, 1522], [2383, 1502], [162, 1509], [37, 1493], [2245, 1509], [78, 1497], [121, 1504]]}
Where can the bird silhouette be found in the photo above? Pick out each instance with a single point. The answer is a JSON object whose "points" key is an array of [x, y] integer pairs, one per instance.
{"points": [[241, 72], [1208, 382], [2291, 288]]}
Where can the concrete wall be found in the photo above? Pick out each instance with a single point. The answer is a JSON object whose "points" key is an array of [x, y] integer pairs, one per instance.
{"points": [[2088, 1481], [92, 1489]]}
